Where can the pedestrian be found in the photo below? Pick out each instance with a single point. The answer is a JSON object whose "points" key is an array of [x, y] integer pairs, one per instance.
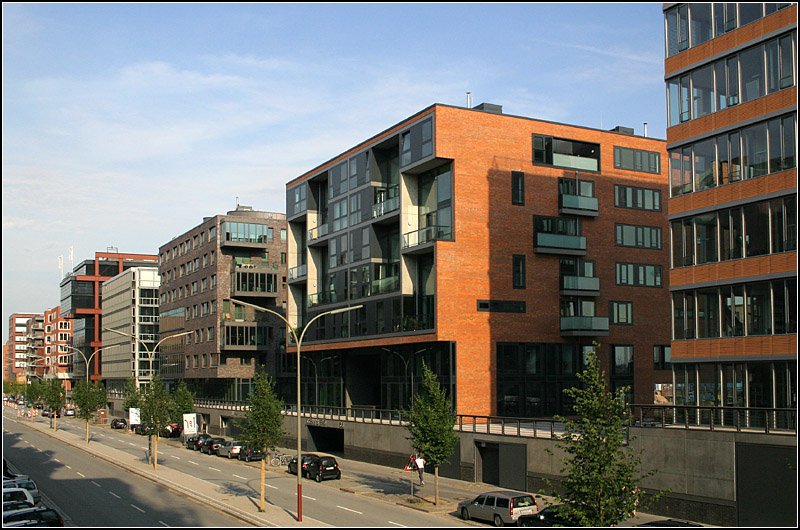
{"points": [[420, 462]]}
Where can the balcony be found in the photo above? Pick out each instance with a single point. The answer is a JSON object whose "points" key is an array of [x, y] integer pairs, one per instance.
{"points": [[316, 233], [578, 205], [324, 297], [546, 243], [385, 207], [580, 285], [583, 326], [296, 273], [385, 285], [426, 235]]}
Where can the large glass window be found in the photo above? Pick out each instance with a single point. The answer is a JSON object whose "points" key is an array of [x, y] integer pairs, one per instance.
{"points": [[566, 153], [756, 229], [751, 62], [700, 17], [638, 236], [622, 357], [638, 198], [705, 227], [759, 309], [754, 151], [704, 165], [637, 160], [703, 91], [707, 313], [733, 311]]}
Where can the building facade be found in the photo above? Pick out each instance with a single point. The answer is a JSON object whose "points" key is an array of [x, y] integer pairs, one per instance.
{"points": [[495, 249], [17, 350], [81, 303], [240, 255], [58, 356], [36, 361], [130, 307], [731, 73]]}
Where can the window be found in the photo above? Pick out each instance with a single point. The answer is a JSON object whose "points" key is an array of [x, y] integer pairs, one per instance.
{"points": [[621, 313], [701, 23], [638, 275], [705, 229], [754, 151], [751, 62], [662, 357], [501, 306], [427, 138], [756, 229], [519, 271], [517, 187], [704, 165], [622, 359], [702, 91], [405, 148], [638, 236], [637, 160], [637, 198], [566, 153]]}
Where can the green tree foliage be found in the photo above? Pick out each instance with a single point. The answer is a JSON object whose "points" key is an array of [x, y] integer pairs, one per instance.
{"points": [[33, 391], [601, 474], [158, 408], [53, 397], [184, 402], [431, 426], [88, 398], [262, 426], [132, 398]]}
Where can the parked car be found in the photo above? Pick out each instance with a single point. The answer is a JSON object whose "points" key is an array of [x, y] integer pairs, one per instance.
{"points": [[69, 411], [549, 516], [210, 445], [230, 449], [499, 507], [47, 413], [196, 440], [119, 423], [38, 517], [17, 494], [16, 505], [172, 430], [27, 484], [306, 458], [144, 429], [248, 453], [323, 467]]}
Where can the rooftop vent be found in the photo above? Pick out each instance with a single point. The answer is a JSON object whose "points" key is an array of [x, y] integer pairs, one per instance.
{"points": [[622, 130], [490, 107]]}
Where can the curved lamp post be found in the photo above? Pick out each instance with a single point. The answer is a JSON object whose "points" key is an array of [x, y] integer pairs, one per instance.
{"points": [[87, 360], [316, 378], [298, 342], [150, 354]]}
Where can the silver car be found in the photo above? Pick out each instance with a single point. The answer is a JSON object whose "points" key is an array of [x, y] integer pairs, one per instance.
{"points": [[27, 484], [230, 449], [499, 507]]}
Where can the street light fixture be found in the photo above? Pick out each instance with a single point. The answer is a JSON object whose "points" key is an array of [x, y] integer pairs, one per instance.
{"points": [[298, 342], [316, 379], [405, 362]]}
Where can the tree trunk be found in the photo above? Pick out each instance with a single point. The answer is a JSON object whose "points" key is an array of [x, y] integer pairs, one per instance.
{"points": [[87, 431], [436, 485], [155, 453], [54, 422], [263, 478]]}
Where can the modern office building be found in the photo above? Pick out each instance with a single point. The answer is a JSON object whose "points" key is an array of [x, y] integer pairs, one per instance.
{"points": [[17, 350], [58, 356], [240, 255], [493, 248], [81, 303], [130, 308], [731, 80], [34, 333]]}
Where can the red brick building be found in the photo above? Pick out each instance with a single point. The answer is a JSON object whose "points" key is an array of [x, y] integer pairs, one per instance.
{"points": [[495, 249], [731, 80]]}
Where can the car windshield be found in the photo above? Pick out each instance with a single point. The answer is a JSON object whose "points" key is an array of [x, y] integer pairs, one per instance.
{"points": [[524, 501]]}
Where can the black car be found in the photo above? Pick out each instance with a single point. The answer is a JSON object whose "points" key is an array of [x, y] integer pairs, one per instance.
{"points": [[306, 459], [118, 423], [210, 445], [323, 467], [195, 441], [248, 453], [547, 517], [37, 516]]}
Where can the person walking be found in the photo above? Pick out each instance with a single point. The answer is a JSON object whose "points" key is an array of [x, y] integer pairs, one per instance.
{"points": [[420, 462]]}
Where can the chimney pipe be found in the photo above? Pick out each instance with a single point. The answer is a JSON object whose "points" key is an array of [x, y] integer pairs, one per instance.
{"points": [[645, 129], [469, 100]]}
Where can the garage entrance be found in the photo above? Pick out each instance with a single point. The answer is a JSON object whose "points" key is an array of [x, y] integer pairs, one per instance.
{"points": [[325, 439], [502, 464]]}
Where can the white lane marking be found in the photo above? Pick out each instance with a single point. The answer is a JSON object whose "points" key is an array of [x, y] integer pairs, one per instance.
{"points": [[397, 524], [81, 474], [243, 478], [163, 523], [96, 484], [131, 443], [175, 457], [307, 497], [271, 486], [66, 466], [349, 510], [138, 508], [57, 460], [214, 469], [114, 494]]}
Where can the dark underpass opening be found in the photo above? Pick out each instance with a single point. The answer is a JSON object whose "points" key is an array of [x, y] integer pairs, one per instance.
{"points": [[325, 439]]}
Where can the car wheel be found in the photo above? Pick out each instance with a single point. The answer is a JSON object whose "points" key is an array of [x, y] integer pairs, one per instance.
{"points": [[318, 478], [498, 521], [464, 514]]}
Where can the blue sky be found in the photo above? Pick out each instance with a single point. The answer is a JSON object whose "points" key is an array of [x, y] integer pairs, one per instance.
{"points": [[125, 124]]}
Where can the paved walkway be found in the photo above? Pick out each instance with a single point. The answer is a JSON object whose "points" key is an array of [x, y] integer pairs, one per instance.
{"points": [[360, 478]]}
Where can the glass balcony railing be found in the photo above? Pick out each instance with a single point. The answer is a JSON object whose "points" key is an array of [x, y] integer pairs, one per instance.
{"points": [[575, 162], [580, 283], [560, 241], [322, 297], [385, 285], [318, 232], [584, 324], [426, 235], [384, 207], [578, 203], [298, 272]]}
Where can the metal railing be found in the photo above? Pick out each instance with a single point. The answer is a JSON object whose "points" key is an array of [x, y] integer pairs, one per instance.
{"points": [[716, 418]]}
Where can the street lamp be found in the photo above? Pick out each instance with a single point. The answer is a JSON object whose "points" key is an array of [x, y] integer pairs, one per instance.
{"points": [[316, 379], [147, 349], [298, 342], [87, 360], [405, 363]]}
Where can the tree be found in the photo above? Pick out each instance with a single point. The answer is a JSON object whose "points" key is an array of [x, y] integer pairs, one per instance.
{"points": [[88, 398], [132, 397], [33, 391], [431, 426], [601, 475], [158, 408], [53, 397], [184, 402], [262, 426]]}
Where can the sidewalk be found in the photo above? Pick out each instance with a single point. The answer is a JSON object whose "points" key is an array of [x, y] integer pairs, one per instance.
{"points": [[359, 478]]}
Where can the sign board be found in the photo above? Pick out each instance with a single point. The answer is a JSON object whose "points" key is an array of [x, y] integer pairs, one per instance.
{"points": [[190, 423], [411, 465], [133, 417]]}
